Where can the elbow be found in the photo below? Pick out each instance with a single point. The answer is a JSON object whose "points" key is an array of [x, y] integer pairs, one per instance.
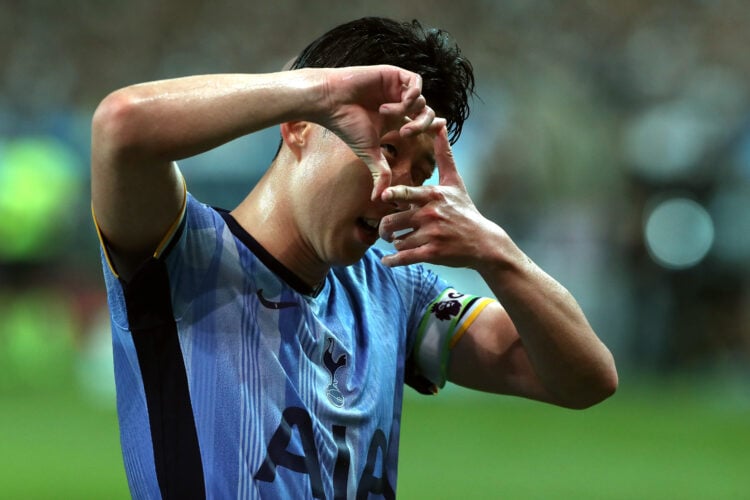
{"points": [[117, 126], [609, 380], [595, 388], [600, 390]]}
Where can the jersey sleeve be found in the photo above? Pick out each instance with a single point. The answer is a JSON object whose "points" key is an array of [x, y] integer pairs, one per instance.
{"points": [[439, 316], [166, 242]]}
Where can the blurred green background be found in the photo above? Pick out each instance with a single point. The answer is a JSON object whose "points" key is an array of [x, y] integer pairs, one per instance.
{"points": [[611, 140], [677, 439]]}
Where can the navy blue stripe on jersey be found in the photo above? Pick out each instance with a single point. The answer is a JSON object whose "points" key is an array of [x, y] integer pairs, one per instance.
{"points": [[269, 260], [176, 452], [259, 352], [175, 238]]}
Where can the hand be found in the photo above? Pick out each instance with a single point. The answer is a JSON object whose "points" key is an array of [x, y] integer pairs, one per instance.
{"points": [[367, 102], [446, 227]]}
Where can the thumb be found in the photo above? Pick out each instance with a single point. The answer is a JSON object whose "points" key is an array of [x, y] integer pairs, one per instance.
{"points": [[446, 163]]}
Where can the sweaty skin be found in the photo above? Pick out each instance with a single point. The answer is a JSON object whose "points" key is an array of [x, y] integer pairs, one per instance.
{"points": [[362, 139]]}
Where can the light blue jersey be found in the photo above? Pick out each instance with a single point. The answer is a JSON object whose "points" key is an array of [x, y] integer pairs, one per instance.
{"points": [[236, 381]]}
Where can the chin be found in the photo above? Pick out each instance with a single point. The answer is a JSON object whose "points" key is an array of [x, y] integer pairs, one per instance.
{"points": [[349, 257]]}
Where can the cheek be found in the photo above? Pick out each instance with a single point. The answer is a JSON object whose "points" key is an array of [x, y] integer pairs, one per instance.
{"points": [[403, 175], [336, 175], [353, 181]]}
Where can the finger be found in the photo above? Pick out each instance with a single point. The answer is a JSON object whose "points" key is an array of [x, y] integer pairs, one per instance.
{"points": [[410, 240], [380, 171], [412, 93], [436, 125], [380, 181], [406, 257], [432, 128], [410, 100], [419, 123], [395, 223], [397, 83], [446, 163], [415, 106], [407, 194], [411, 105], [410, 81]]}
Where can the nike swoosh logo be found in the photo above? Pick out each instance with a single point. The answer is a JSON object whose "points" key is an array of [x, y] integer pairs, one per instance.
{"points": [[274, 305]]}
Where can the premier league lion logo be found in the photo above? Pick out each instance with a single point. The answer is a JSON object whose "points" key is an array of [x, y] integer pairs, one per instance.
{"points": [[446, 309]]}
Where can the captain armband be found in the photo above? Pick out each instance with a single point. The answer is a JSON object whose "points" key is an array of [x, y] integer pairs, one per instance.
{"points": [[444, 322]]}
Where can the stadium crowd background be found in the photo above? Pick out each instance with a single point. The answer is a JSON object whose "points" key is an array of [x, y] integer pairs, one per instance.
{"points": [[611, 140]]}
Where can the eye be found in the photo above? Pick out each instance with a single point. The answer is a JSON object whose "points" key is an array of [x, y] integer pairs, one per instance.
{"points": [[390, 149]]}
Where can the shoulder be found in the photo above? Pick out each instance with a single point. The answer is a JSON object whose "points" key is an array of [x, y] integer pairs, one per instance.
{"points": [[204, 226], [200, 215], [199, 227], [412, 282], [410, 276], [370, 267], [202, 240]]}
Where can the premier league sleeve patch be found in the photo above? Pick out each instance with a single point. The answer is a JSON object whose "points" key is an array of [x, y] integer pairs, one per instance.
{"points": [[443, 323]]}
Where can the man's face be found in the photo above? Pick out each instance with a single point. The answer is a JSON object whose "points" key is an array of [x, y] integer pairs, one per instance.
{"points": [[337, 218]]}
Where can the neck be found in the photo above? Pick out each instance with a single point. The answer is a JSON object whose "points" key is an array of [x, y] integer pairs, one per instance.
{"points": [[266, 216]]}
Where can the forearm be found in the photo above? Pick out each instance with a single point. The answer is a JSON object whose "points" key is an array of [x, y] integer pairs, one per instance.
{"points": [[172, 119], [539, 343], [569, 359], [139, 131]]}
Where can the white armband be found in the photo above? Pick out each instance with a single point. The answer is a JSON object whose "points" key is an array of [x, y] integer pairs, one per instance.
{"points": [[442, 325]]}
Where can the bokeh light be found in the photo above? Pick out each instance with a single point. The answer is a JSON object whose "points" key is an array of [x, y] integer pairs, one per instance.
{"points": [[39, 184], [610, 140], [679, 232], [730, 208]]}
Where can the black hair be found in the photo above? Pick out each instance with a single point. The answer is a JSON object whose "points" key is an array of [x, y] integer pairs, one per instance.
{"points": [[447, 76]]}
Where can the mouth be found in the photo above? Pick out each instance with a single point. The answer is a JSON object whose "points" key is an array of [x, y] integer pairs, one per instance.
{"points": [[369, 224], [369, 228]]}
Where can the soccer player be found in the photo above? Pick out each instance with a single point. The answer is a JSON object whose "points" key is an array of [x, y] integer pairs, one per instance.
{"points": [[263, 351]]}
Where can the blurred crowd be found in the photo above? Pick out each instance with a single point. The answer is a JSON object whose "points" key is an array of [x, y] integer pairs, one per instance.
{"points": [[610, 139]]}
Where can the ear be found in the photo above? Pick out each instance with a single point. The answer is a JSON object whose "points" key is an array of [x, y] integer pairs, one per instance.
{"points": [[296, 135]]}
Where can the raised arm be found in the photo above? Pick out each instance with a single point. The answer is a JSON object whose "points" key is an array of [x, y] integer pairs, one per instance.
{"points": [[140, 131], [538, 343]]}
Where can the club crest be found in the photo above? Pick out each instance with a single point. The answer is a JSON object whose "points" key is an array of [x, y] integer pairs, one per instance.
{"points": [[332, 365]]}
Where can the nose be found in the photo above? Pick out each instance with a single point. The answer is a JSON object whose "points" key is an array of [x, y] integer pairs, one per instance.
{"points": [[400, 176]]}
